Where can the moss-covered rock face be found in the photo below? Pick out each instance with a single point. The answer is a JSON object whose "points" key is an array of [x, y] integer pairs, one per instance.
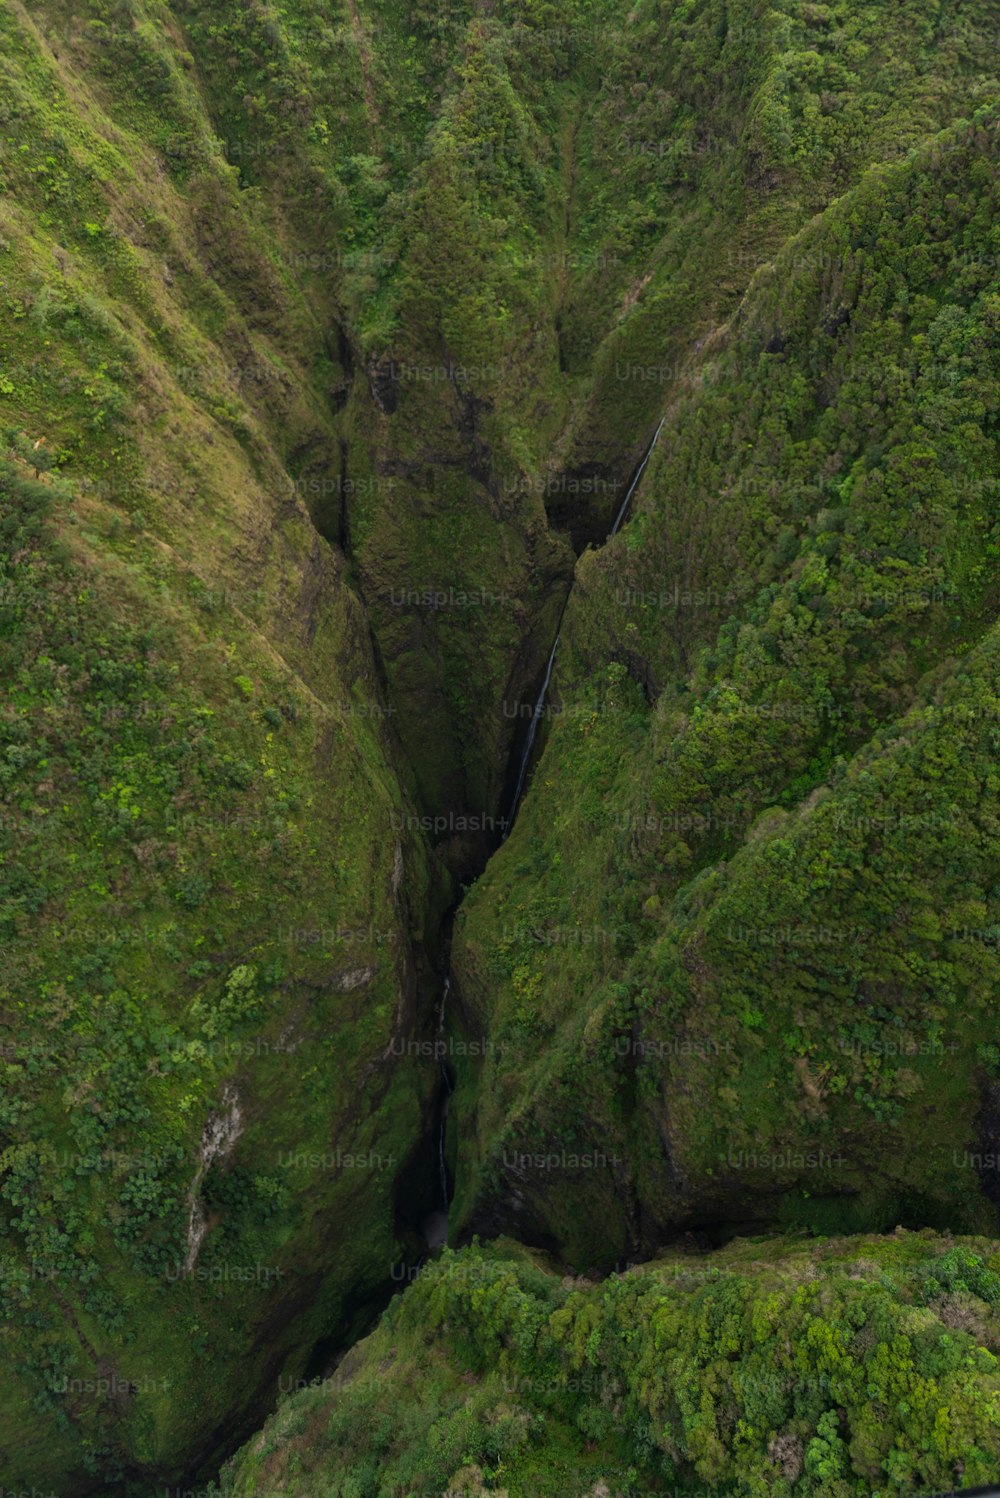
{"points": [[594, 193], [860, 1366], [519, 222]]}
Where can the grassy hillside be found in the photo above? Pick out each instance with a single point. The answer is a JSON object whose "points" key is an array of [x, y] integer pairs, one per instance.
{"points": [[773, 1367], [592, 199], [208, 952]]}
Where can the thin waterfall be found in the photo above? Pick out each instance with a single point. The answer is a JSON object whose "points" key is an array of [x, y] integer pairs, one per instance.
{"points": [[536, 716], [436, 1225], [634, 484]]}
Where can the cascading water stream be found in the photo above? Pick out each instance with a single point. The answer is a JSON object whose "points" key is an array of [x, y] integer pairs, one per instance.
{"points": [[435, 1227], [539, 711], [635, 482], [529, 745]]}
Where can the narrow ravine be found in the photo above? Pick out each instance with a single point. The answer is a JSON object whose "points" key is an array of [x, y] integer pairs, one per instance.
{"points": [[435, 1227]]}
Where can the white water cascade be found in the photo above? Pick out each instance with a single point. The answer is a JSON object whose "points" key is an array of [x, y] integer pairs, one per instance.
{"points": [[635, 482], [529, 744]]}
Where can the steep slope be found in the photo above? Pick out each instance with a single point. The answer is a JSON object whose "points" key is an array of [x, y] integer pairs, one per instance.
{"points": [[771, 1367], [758, 864], [215, 912], [595, 194], [521, 221], [208, 954]]}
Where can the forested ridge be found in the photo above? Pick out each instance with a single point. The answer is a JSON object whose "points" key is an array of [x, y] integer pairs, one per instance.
{"points": [[770, 1367]]}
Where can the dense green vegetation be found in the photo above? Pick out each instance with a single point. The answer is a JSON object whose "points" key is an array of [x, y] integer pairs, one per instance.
{"points": [[214, 906], [169, 961], [860, 1367], [331, 335], [758, 864], [520, 221]]}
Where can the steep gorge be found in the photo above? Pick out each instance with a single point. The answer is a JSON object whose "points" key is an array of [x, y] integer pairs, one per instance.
{"points": [[345, 334]]}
